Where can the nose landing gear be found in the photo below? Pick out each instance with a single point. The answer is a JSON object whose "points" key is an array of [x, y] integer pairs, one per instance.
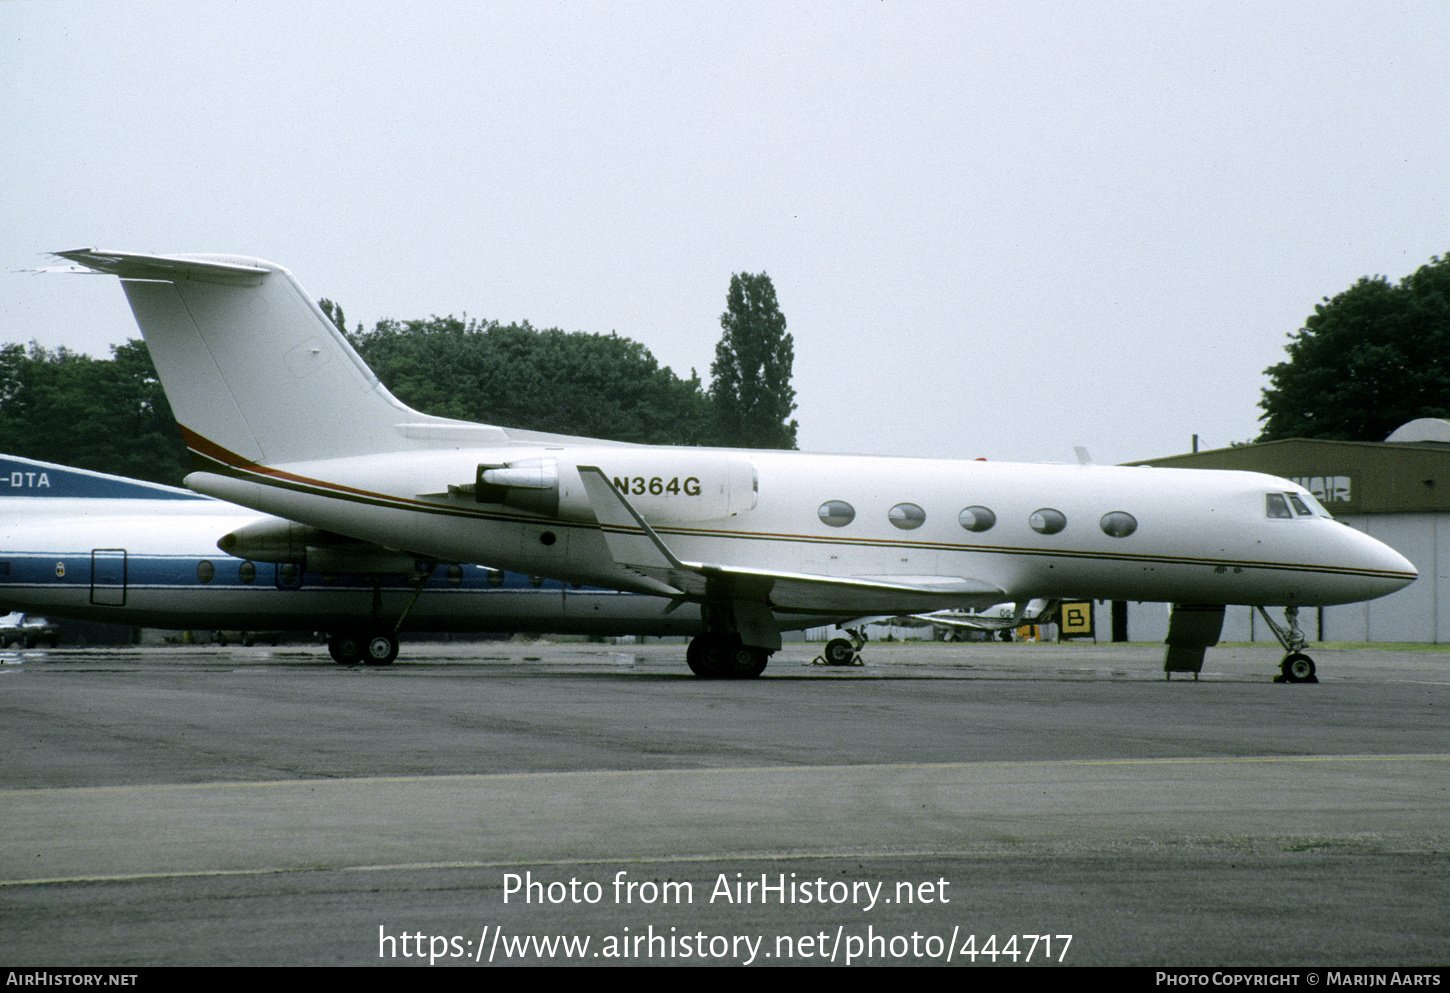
{"points": [[1296, 666], [844, 651]]}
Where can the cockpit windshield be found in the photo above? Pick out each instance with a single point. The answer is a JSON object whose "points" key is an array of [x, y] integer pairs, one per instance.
{"points": [[1315, 505], [1287, 506], [1276, 506]]}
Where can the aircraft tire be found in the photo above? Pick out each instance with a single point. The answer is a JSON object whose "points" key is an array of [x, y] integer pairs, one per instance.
{"points": [[705, 655], [345, 649], [839, 651], [1298, 668], [380, 649], [744, 661]]}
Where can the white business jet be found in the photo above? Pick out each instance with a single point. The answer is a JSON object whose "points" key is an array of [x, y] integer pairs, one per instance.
{"points": [[282, 415], [94, 547]]}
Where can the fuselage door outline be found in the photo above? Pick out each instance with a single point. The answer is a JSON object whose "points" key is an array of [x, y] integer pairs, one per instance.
{"points": [[108, 577]]}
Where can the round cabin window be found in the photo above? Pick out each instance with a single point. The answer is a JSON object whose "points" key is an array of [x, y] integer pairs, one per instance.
{"points": [[977, 519], [836, 513], [1048, 521], [907, 516], [1118, 524]]}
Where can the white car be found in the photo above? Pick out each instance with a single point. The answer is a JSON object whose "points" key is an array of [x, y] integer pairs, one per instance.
{"points": [[27, 631]]}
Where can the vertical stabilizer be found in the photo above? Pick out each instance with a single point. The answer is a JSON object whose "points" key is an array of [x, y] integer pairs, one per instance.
{"points": [[254, 370]]}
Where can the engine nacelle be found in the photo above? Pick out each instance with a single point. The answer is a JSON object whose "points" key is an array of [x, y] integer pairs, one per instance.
{"points": [[681, 487], [665, 487], [528, 484], [314, 550], [270, 540]]}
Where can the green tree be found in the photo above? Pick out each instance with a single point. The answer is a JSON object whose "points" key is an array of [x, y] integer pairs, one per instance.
{"points": [[334, 313], [1365, 362], [602, 386], [750, 377], [109, 415]]}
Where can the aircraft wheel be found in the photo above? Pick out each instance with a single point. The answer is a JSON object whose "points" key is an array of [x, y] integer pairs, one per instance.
{"points": [[744, 661], [380, 649], [723, 656], [1298, 668], [705, 655], [839, 651], [345, 649]]}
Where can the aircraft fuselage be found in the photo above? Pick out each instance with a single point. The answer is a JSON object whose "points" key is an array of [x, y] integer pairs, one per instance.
{"points": [[1200, 537]]}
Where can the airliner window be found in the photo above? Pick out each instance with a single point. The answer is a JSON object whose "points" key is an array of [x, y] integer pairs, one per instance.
{"points": [[455, 575], [536, 581], [907, 516], [205, 571], [1276, 506], [977, 519], [1298, 505], [1048, 521], [495, 577], [1118, 524], [836, 513], [247, 572]]}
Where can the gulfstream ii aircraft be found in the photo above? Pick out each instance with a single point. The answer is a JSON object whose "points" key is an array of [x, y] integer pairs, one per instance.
{"points": [[94, 547], [283, 416]]}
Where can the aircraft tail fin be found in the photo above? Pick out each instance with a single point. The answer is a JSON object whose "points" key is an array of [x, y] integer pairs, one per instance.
{"points": [[255, 371]]}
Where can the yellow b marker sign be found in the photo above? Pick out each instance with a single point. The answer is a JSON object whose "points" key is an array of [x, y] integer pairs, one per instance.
{"points": [[1077, 619]]}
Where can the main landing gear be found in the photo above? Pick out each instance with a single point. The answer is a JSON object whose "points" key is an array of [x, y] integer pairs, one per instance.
{"points": [[719, 655], [1296, 666], [352, 647], [378, 644]]}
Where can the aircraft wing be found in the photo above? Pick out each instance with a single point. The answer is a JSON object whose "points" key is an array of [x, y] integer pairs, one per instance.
{"points": [[636, 546]]}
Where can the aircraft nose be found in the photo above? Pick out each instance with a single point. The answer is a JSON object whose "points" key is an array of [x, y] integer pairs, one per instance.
{"points": [[1385, 569]]}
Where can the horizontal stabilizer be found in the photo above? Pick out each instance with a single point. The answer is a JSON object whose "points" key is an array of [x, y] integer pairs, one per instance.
{"points": [[130, 265]]}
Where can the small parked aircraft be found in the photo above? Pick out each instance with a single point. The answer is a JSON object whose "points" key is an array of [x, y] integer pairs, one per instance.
{"points": [[283, 416], [90, 546], [995, 619]]}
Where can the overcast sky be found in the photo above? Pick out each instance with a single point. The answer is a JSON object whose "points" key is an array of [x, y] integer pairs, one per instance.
{"points": [[995, 230]]}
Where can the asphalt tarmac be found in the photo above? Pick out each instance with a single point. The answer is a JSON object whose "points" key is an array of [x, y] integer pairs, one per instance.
{"points": [[507, 802]]}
